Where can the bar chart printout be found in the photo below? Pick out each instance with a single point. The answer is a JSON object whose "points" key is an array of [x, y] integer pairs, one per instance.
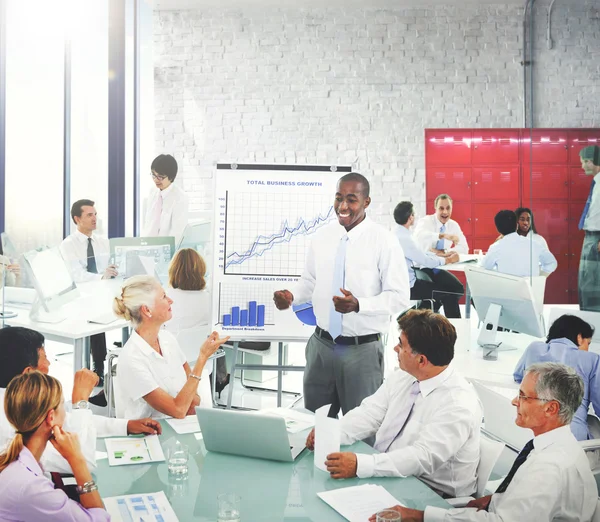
{"points": [[253, 315]]}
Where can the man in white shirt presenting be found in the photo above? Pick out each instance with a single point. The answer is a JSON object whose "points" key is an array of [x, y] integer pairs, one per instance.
{"points": [[355, 276], [589, 264], [517, 255], [22, 350], [551, 477], [86, 255], [440, 234], [427, 283], [426, 418]]}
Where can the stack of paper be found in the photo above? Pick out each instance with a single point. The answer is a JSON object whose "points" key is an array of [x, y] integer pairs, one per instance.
{"points": [[359, 503], [134, 450], [327, 436], [295, 421], [148, 507]]}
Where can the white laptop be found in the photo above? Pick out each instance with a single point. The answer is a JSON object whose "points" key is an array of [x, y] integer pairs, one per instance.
{"points": [[248, 434]]}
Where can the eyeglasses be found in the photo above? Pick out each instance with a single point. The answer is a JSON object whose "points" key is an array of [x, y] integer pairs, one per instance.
{"points": [[520, 397], [157, 177]]}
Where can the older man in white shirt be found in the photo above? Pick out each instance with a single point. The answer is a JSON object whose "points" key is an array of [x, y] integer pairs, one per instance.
{"points": [[551, 477], [426, 283], [426, 417], [440, 234], [355, 276], [22, 350], [517, 255]]}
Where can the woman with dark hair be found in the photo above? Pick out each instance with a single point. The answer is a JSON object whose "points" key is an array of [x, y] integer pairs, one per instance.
{"points": [[526, 225], [568, 342]]}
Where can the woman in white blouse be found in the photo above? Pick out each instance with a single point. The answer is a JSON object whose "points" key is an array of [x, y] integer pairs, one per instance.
{"points": [[526, 226], [153, 374], [191, 301], [166, 208]]}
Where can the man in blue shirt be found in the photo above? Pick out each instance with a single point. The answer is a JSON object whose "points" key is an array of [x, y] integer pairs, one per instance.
{"points": [[517, 255], [568, 341], [427, 282]]}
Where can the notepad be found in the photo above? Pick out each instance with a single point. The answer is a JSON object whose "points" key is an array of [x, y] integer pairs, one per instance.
{"points": [[359, 503], [327, 436], [188, 424], [134, 450]]}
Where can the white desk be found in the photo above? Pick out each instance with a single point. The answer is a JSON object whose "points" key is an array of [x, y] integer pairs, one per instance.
{"points": [[468, 356], [96, 298]]}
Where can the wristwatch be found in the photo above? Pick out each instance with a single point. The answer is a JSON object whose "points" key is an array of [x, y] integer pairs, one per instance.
{"points": [[81, 405], [88, 487]]}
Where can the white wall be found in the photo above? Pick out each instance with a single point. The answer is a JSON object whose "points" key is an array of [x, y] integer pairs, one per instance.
{"points": [[358, 86]]}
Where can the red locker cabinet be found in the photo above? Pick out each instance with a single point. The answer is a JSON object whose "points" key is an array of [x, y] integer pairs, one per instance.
{"points": [[483, 216], [578, 139], [448, 147], [454, 181], [544, 146], [496, 146], [545, 182], [579, 184], [496, 183]]}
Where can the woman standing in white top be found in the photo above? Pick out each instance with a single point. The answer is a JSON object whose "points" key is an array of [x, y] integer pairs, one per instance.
{"points": [[526, 226], [153, 374], [166, 209]]}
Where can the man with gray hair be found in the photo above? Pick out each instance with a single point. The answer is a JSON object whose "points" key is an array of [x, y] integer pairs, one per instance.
{"points": [[551, 477]]}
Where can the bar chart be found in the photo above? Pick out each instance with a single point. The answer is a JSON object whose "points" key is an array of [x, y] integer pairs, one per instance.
{"points": [[245, 305]]}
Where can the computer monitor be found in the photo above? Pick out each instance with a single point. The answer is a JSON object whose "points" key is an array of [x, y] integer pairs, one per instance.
{"points": [[508, 301], [53, 284], [8, 248], [196, 235], [127, 251]]}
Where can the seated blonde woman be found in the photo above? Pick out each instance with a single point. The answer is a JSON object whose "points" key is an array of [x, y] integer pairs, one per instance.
{"points": [[153, 374], [191, 301], [35, 407]]}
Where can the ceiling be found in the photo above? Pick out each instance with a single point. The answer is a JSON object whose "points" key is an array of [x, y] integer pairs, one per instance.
{"points": [[388, 4]]}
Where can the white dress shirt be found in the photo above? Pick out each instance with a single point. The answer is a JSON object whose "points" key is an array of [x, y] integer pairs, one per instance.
{"points": [[414, 255], [554, 484], [174, 215], [82, 422], [439, 443], [74, 251], [427, 234], [519, 256], [592, 220], [539, 239], [142, 370], [375, 274]]}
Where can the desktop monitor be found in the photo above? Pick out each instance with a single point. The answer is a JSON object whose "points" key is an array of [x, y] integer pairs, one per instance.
{"points": [[126, 253], [196, 236], [52, 281], [507, 301], [8, 248]]}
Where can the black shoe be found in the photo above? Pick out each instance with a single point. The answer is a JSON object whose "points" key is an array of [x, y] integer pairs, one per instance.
{"points": [[99, 400]]}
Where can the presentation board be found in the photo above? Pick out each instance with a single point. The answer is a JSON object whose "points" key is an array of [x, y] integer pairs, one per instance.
{"points": [[265, 217]]}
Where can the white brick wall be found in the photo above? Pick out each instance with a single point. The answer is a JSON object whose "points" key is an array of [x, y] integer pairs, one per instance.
{"points": [[358, 86]]}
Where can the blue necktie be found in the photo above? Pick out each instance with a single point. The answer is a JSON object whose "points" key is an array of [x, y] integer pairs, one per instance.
{"points": [[339, 269], [587, 206], [440, 243]]}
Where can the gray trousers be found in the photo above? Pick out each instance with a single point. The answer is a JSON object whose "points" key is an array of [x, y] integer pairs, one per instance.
{"points": [[341, 375], [589, 273]]}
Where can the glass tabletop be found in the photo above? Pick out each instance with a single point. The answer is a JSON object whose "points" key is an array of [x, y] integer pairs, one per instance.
{"points": [[270, 491]]}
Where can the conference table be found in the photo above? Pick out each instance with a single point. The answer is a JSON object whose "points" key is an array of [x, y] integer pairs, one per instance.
{"points": [[270, 491], [95, 300]]}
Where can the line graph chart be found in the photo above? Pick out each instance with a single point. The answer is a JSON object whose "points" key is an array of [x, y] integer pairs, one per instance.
{"points": [[269, 233]]}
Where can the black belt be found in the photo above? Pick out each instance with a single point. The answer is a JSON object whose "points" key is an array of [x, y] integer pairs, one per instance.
{"points": [[360, 339], [592, 232]]}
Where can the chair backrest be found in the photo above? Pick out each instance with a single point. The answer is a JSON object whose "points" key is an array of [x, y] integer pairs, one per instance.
{"points": [[499, 417], [190, 340], [490, 451]]}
